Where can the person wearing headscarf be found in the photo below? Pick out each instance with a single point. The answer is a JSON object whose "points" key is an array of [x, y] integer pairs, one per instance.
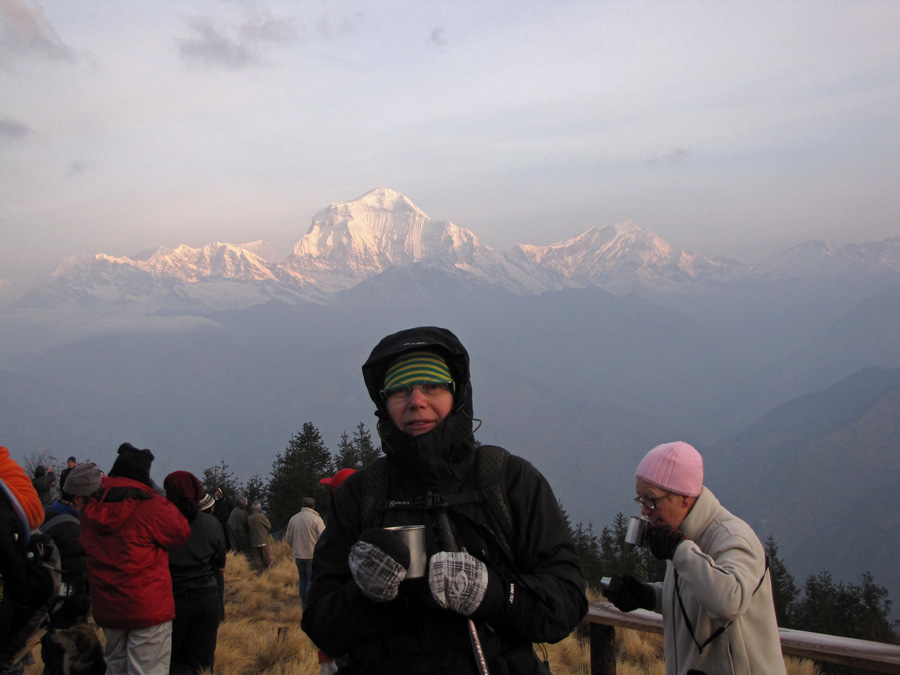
{"points": [[716, 598], [127, 531], [362, 602], [194, 568]]}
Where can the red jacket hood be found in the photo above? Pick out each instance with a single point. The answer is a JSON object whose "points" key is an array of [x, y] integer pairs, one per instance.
{"points": [[110, 515]]}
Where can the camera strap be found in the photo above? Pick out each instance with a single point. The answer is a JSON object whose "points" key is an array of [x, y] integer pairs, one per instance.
{"points": [[720, 629]]}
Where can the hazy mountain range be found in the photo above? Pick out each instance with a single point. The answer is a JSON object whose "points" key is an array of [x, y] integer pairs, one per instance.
{"points": [[585, 354]]}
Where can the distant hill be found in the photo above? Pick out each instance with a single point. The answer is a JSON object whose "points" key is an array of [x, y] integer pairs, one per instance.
{"points": [[585, 354], [821, 474]]}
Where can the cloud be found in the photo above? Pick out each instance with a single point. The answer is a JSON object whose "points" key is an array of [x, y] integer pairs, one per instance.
{"points": [[25, 32], [12, 130], [213, 48], [437, 37], [677, 156], [243, 49], [276, 31], [77, 168]]}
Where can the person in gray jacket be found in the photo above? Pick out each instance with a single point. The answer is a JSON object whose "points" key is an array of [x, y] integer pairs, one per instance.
{"points": [[238, 527], [716, 598]]}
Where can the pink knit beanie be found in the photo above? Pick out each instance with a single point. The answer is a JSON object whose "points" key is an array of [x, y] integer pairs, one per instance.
{"points": [[675, 467]]}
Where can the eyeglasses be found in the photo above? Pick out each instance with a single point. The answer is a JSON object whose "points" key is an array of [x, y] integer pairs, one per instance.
{"points": [[649, 502], [429, 389]]}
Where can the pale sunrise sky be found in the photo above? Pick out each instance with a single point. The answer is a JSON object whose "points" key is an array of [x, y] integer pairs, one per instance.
{"points": [[731, 129]]}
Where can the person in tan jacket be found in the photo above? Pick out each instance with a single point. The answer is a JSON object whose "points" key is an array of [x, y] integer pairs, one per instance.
{"points": [[259, 538], [301, 535]]}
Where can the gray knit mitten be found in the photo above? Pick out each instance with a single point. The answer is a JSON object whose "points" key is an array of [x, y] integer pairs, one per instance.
{"points": [[379, 562], [458, 581]]}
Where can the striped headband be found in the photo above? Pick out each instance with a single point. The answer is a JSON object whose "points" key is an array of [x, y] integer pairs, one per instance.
{"points": [[416, 368]]}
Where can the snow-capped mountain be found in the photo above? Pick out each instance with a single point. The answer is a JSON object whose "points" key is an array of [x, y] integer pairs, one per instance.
{"points": [[350, 242], [618, 258], [215, 276], [817, 260]]}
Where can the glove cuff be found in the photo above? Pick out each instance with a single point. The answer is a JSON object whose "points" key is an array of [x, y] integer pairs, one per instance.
{"points": [[494, 598], [647, 597]]}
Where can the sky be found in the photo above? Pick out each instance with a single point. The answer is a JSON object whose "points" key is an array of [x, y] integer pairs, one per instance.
{"points": [[730, 129]]}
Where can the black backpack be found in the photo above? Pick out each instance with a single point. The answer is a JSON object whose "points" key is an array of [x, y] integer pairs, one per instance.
{"points": [[490, 492], [32, 564]]}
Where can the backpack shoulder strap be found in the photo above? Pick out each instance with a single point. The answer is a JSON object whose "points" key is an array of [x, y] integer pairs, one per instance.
{"points": [[491, 491], [375, 492], [58, 520], [491, 472], [17, 508]]}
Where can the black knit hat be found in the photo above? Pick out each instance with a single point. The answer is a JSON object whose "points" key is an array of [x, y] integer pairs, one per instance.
{"points": [[133, 463]]}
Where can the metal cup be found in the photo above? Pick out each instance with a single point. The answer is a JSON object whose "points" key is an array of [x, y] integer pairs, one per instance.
{"points": [[414, 537], [637, 530]]}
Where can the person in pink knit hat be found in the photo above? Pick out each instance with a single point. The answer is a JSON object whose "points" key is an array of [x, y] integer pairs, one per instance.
{"points": [[716, 598]]}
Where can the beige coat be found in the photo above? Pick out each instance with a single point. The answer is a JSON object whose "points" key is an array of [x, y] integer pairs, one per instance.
{"points": [[303, 532], [719, 569]]}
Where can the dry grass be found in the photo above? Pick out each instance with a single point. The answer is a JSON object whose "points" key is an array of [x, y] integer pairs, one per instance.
{"points": [[261, 632]]}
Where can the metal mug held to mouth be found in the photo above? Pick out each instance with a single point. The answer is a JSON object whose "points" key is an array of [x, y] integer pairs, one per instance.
{"points": [[414, 537], [637, 531]]}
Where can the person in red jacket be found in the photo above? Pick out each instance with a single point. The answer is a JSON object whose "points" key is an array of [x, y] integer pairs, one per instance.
{"points": [[127, 530]]}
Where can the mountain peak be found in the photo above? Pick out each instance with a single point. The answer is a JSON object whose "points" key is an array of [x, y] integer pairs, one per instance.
{"points": [[385, 199], [351, 241]]}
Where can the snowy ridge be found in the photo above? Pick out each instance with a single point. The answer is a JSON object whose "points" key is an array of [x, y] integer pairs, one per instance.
{"points": [[216, 276], [350, 242], [619, 258], [815, 260]]}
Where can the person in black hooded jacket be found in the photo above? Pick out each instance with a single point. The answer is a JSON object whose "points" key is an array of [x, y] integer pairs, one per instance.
{"points": [[361, 603]]}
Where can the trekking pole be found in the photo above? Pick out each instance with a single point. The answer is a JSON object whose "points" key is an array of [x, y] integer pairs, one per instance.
{"points": [[448, 543]]}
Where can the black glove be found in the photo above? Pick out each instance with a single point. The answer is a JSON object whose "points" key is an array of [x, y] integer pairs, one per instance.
{"points": [[662, 540], [629, 594], [379, 562]]}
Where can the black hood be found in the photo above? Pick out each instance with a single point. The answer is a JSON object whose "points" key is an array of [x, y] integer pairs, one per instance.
{"points": [[452, 437]]}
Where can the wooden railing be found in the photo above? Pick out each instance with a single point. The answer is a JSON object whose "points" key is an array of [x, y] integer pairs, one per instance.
{"points": [[604, 618]]}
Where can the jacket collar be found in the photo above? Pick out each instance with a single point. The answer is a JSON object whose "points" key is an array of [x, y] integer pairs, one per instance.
{"points": [[701, 515]]}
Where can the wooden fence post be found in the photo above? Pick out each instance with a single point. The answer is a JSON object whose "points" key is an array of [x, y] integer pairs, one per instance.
{"points": [[603, 649]]}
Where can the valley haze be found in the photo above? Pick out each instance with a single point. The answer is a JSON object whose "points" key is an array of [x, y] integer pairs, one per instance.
{"points": [[585, 353]]}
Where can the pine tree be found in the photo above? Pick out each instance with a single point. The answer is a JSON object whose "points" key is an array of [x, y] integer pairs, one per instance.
{"points": [[255, 490], [588, 548], [357, 452], [219, 476], [296, 473], [784, 590], [873, 609], [347, 455], [366, 450]]}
